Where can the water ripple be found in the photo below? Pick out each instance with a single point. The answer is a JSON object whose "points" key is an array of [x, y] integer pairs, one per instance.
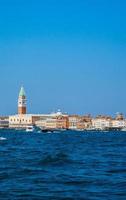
{"points": [[67, 166]]}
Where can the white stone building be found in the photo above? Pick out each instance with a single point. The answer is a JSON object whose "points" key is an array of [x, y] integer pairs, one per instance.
{"points": [[73, 122], [101, 123], [118, 123]]}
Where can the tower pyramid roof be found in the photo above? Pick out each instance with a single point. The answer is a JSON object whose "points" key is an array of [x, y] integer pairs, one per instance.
{"points": [[22, 92]]}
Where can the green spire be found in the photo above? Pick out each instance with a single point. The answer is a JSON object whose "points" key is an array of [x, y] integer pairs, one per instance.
{"points": [[22, 92]]}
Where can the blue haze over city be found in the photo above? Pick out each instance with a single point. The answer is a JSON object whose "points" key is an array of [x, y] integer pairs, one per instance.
{"points": [[67, 54]]}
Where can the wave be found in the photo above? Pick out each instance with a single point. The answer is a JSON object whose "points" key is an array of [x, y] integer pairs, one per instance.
{"points": [[3, 138], [117, 171], [59, 158]]}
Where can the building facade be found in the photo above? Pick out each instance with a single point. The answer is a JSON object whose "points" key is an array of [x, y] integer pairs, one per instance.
{"points": [[73, 121], [4, 122], [22, 121], [118, 124], [51, 122], [101, 123]]}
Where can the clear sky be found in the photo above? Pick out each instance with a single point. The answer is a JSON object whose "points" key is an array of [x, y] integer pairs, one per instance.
{"points": [[68, 54]]}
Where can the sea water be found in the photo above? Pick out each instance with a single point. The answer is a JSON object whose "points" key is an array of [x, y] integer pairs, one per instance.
{"points": [[57, 166]]}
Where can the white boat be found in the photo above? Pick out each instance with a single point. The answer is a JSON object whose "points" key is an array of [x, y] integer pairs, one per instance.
{"points": [[30, 129], [123, 129], [2, 138]]}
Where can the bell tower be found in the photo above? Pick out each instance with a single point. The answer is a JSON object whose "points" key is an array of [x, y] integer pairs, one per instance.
{"points": [[22, 102]]}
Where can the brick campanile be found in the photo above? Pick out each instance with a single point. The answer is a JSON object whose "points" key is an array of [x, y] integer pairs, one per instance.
{"points": [[22, 102]]}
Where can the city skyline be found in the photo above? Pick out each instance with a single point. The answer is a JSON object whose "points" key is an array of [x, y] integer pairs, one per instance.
{"points": [[59, 120], [22, 105], [68, 55]]}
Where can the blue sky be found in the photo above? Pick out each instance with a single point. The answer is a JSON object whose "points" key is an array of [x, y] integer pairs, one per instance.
{"points": [[68, 54]]}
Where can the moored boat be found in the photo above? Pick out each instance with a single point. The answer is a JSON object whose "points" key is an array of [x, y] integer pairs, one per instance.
{"points": [[123, 129], [30, 129]]}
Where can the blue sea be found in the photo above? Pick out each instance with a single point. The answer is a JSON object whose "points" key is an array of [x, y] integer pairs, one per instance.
{"points": [[62, 166]]}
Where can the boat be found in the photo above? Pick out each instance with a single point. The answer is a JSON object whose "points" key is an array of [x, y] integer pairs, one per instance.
{"points": [[2, 138], [47, 130], [30, 129], [123, 129]]}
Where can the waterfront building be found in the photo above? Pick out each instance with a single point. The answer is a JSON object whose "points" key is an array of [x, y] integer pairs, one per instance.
{"points": [[62, 122], [51, 122], [84, 123], [4, 122], [101, 123], [46, 123], [41, 120], [73, 121], [118, 124], [22, 121], [81, 125]]}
